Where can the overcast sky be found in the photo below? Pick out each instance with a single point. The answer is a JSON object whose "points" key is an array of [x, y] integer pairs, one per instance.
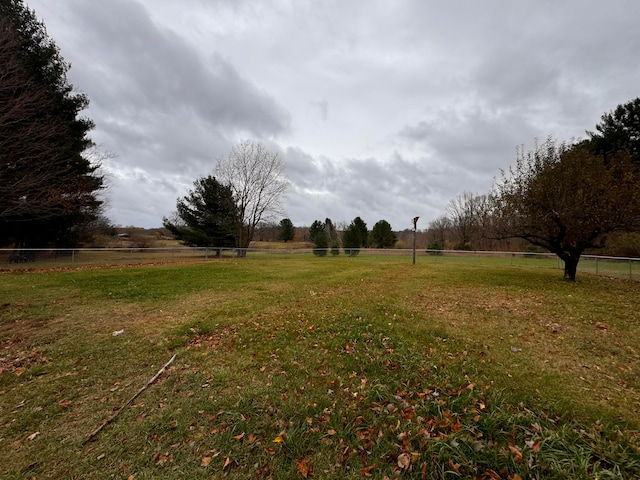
{"points": [[381, 109]]}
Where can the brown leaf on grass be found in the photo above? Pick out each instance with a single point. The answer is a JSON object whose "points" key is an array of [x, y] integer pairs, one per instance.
{"points": [[205, 461], [404, 461], [270, 451], [251, 438], [227, 462], [66, 403], [455, 466], [161, 459], [366, 471], [304, 468], [33, 436], [493, 474], [516, 452], [279, 438], [239, 437], [515, 476]]}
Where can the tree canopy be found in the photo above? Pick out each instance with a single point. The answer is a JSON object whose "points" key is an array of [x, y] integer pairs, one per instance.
{"points": [[286, 230], [48, 180], [566, 199], [382, 236], [619, 130], [352, 238], [206, 216]]}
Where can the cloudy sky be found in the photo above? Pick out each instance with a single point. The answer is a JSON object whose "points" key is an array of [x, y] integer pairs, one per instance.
{"points": [[383, 109]]}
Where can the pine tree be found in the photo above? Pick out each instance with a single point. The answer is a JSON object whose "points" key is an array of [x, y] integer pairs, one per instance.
{"points": [[48, 183]]}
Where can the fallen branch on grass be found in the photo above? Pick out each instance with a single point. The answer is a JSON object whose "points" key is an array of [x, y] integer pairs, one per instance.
{"points": [[113, 417]]}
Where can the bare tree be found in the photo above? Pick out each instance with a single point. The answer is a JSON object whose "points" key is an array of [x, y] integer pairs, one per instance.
{"points": [[464, 221], [257, 178], [437, 232]]}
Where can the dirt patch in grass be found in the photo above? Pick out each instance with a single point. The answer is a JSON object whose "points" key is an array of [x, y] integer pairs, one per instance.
{"points": [[17, 355], [213, 341]]}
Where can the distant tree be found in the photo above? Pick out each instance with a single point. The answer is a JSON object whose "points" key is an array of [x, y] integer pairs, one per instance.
{"points": [[321, 244], [206, 216], [352, 238], [286, 230], [382, 236], [564, 198], [364, 232], [49, 177], [462, 214], [315, 229], [437, 232], [618, 130], [257, 180]]}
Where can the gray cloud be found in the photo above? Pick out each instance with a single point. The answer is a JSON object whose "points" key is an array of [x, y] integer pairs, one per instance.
{"points": [[384, 110]]}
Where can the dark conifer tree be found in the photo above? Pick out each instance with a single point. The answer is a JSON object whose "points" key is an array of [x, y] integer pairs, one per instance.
{"points": [[48, 182]]}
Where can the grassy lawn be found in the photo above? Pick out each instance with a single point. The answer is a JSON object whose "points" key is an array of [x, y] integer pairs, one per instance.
{"points": [[300, 367]]}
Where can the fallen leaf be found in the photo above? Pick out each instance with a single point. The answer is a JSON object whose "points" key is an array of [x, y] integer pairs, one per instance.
{"points": [[366, 472], [278, 439], [205, 461], [251, 438], [270, 451], [304, 468], [331, 432], [227, 462], [515, 476], [19, 371], [239, 437], [455, 466], [66, 403], [404, 461], [33, 435], [517, 452]]}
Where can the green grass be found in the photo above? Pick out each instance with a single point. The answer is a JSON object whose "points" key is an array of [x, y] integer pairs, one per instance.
{"points": [[294, 366]]}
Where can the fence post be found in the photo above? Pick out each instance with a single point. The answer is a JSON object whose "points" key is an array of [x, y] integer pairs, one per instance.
{"points": [[73, 256]]}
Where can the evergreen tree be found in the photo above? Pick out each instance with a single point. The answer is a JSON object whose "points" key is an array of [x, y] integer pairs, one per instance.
{"points": [[364, 232], [382, 236], [618, 130], [286, 230], [352, 238], [48, 181], [206, 216]]}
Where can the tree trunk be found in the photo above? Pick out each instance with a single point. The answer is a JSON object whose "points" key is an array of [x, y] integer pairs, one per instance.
{"points": [[570, 267]]}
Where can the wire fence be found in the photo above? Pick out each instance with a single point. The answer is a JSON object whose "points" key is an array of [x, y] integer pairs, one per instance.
{"points": [[43, 259]]}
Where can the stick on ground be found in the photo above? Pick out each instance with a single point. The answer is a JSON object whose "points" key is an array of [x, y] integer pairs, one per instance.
{"points": [[113, 417]]}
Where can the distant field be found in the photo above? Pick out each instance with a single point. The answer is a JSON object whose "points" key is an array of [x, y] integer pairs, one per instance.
{"points": [[293, 366]]}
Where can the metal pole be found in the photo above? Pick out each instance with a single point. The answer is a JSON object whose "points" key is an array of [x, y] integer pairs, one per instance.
{"points": [[415, 225]]}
